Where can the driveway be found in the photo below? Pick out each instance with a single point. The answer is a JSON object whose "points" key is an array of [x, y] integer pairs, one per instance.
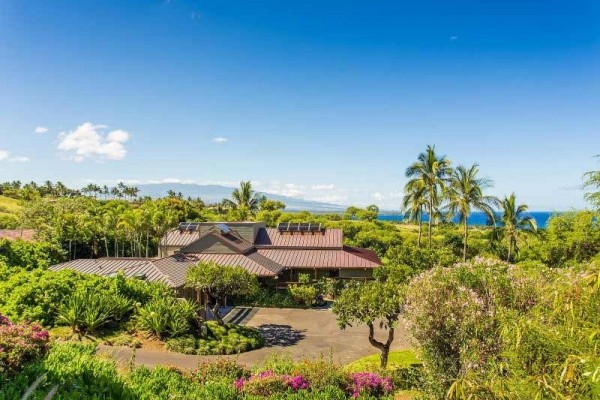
{"points": [[299, 333]]}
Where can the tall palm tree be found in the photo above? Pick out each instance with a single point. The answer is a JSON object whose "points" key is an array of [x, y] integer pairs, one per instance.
{"points": [[592, 183], [433, 172], [466, 193], [413, 203], [514, 220], [244, 199]]}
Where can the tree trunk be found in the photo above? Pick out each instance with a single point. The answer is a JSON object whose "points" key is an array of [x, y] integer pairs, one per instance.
{"points": [[420, 229], [465, 244], [509, 249], [147, 240], [216, 314], [383, 347], [430, 219]]}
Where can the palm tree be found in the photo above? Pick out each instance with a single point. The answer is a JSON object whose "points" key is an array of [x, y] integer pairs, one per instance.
{"points": [[465, 194], [244, 200], [433, 172], [592, 182], [514, 220], [413, 203]]}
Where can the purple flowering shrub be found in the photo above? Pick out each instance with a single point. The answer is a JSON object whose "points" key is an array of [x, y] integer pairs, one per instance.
{"points": [[268, 383], [20, 344], [369, 384]]}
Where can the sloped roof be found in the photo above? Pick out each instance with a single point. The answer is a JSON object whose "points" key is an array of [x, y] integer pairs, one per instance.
{"points": [[106, 266], [272, 238], [176, 237], [235, 243], [13, 234], [322, 258]]}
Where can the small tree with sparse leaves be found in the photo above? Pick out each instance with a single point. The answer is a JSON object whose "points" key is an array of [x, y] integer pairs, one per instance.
{"points": [[370, 304], [220, 281]]}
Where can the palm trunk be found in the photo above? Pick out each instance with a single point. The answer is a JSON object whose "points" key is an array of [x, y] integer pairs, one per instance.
{"points": [[420, 231], [430, 219], [465, 243], [147, 240]]}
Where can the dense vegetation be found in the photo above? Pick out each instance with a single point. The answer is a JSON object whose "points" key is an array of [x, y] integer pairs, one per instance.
{"points": [[499, 312]]}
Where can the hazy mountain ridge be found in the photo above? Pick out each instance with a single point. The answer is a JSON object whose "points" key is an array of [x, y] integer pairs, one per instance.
{"points": [[216, 193]]}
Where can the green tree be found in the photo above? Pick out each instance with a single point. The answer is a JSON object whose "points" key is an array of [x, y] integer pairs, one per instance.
{"points": [[413, 203], [433, 172], [369, 304], [244, 200], [592, 184], [220, 281], [465, 194], [515, 220]]}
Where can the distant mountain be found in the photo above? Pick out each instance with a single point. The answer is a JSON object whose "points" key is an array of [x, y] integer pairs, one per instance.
{"points": [[216, 193]]}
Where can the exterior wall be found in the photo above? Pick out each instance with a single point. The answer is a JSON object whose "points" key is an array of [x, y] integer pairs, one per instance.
{"points": [[166, 251], [356, 273]]}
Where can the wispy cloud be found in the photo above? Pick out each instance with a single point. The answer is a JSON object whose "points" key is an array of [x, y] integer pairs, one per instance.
{"points": [[453, 38], [41, 130], [220, 140], [5, 156], [90, 141]]}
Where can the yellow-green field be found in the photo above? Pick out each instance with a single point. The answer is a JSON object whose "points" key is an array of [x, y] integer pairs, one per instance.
{"points": [[9, 206]]}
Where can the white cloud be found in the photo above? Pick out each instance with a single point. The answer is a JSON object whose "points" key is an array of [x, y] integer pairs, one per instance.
{"points": [[220, 140], [19, 159], [41, 130], [453, 38], [377, 196], [322, 187], [89, 141], [5, 156]]}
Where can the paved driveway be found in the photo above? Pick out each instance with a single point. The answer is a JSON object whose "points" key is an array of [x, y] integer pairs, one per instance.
{"points": [[299, 333]]}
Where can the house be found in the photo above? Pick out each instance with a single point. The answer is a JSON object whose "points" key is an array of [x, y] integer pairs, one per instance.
{"points": [[281, 253]]}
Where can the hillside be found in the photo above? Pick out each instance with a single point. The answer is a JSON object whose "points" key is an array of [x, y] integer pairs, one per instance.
{"points": [[216, 193]]}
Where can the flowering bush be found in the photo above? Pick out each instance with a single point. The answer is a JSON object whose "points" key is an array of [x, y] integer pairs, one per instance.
{"points": [[268, 383], [369, 384], [20, 344]]}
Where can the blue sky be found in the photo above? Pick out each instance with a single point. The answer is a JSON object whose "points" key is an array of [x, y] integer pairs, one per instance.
{"points": [[318, 99]]}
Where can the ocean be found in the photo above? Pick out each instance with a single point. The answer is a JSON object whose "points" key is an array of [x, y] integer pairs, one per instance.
{"points": [[479, 218]]}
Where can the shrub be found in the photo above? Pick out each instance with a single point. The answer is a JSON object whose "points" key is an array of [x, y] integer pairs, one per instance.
{"points": [[228, 339], [303, 292], [269, 383], [220, 370], [81, 375], [167, 317], [369, 384], [20, 344], [86, 311]]}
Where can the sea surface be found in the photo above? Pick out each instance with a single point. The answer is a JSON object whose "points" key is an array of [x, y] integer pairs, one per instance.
{"points": [[479, 218]]}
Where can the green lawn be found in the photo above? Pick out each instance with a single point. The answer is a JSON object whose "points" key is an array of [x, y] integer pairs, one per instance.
{"points": [[397, 359]]}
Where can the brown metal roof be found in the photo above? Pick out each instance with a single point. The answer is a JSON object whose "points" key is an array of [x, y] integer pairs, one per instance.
{"points": [[176, 237], [177, 266], [106, 266], [319, 258], [13, 234], [272, 238]]}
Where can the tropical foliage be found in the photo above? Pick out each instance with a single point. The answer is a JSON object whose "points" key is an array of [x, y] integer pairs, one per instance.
{"points": [[220, 281]]}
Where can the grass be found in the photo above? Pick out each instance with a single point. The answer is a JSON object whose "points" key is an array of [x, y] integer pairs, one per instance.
{"points": [[9, 206], [397, 359]]}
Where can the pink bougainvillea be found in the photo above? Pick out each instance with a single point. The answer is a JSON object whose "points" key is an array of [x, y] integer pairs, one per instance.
{"points": [[370, 383], [20, 344]]}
